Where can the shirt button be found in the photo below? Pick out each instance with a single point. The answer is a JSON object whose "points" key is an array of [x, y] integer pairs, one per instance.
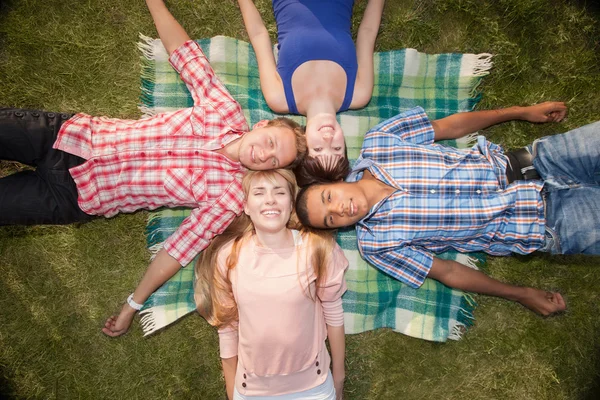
{"points": [[432, 191], [244, 384], [244, 376], [457, 191], [318, 372], [317, 363], [530, 183], [142, 154], [197, 152], [170, 152], [478, 191]]}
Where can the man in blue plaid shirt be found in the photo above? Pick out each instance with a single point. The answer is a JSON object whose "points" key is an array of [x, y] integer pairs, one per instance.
{"points": [[411, 198]]}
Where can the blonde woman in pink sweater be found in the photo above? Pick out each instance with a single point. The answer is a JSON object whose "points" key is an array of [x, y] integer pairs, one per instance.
{"points": [[275, 292]]}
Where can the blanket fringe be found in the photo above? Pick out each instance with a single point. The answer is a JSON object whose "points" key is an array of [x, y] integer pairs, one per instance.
{"points": [[147, 49], [146, 46], [483, 64], [467, 260], [147, 321], [465, 317]]}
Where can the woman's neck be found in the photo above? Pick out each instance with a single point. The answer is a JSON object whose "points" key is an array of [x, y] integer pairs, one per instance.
{"points": [[274, 240], [320, 106]]}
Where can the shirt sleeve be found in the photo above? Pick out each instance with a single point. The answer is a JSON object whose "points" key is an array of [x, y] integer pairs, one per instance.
{"points": [[411, 126], [333, 287], [204, 85], [196, 231], [409, 264], [228, 342]]}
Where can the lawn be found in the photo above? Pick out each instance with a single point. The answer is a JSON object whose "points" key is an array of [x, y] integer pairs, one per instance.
{"points": [[58, 284]]}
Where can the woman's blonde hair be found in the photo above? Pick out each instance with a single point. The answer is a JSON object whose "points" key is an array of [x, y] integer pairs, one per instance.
{"points": [[213, 291]]}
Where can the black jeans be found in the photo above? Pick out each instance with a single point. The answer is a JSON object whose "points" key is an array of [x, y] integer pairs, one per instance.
{"points": [[48, 194]]}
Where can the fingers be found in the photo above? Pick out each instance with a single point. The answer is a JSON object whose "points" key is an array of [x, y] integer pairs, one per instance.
{"points": [[554, 303], [557, 300], [110, 329]]}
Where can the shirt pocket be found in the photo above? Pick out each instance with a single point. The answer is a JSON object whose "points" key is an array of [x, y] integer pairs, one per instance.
{"points": [[198, 121], [186, 187]]}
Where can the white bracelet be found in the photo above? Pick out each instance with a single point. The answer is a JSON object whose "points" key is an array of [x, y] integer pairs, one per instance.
{"points": [[133, 304]]}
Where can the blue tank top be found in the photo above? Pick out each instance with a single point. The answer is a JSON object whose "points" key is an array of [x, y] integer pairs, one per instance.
{"points": [[314, 30]]}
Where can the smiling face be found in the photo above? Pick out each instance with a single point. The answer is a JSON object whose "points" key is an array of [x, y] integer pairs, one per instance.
{"points": [[336, 205], [324, 136], [269, 203], [267, 147]]}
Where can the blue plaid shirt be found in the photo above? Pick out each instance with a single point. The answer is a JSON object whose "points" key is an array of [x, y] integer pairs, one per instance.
{"points": [[445, 199]]}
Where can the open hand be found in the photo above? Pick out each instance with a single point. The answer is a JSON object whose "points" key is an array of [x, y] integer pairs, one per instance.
{"points": [[543, 302], [119, 325], [549, 111]]}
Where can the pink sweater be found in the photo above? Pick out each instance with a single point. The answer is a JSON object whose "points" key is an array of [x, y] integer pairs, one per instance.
{"points": [[281, 332]]}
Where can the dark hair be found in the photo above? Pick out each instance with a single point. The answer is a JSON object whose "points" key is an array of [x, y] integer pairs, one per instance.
{"points": [[322, 169], [302, 205]]}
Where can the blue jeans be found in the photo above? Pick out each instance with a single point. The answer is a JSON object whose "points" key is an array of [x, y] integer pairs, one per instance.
{"points": [[569, 164]]}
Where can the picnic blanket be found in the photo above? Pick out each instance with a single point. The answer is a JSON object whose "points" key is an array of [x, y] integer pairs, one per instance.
{"points": [[442, 84]]}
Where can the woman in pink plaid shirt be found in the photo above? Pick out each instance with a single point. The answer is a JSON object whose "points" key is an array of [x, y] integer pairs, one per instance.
{"points": [[96, 166]]}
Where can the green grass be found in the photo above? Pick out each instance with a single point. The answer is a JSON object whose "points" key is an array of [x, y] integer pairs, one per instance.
{"points": [[58, 284]]}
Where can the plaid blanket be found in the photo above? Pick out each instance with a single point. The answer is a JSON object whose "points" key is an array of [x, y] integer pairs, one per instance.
{"points": [[441, 83]]}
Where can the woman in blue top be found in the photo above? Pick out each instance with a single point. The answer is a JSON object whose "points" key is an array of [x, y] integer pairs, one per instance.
{"points": [[320, 71]]}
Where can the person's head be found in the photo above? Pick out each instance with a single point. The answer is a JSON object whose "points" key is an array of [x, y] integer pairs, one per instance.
{"points": [[324, 136], [278, 143], [324, 169], [331, 205], [269, 205], [270, 199]]}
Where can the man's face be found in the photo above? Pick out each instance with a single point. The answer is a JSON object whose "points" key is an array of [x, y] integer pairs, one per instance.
{"points": [[336, 205], [324, 136], [268, 147]]}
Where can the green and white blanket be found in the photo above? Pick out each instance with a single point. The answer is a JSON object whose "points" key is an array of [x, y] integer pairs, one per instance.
{"points": [[442, 84]]}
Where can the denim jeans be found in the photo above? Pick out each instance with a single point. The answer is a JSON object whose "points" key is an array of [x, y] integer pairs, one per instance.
{"points": [[569, 164], [46, 195]]}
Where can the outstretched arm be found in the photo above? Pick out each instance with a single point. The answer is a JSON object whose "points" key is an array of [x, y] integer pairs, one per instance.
{"points": [[270, 82], [461, 124], [365, 46], [171, 33], [159, 271], [337, 343], [458, 276]]}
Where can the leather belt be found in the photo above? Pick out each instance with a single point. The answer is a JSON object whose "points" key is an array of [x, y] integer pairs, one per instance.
{"points": [[520, 166]]}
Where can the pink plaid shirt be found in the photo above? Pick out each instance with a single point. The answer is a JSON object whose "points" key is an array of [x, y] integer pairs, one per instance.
{"points": [[165, 160]]}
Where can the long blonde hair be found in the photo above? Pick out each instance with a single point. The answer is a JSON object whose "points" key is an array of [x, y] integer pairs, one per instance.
{"points": [[213, 291]]}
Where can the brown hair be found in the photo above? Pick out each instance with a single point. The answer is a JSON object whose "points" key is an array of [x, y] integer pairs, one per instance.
{"points": [[322, 169], [299, 134], [213, 291]]}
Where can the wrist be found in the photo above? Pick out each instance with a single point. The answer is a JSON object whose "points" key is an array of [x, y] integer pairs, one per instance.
{"points": [[133, 304]]}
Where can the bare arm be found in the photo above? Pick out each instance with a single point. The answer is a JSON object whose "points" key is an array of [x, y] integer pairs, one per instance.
{"points": [[159, 271], [461, 124], [229, 369], [171, 33], [365, 46], [270, 82], [458, 276], [337, 344]]}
